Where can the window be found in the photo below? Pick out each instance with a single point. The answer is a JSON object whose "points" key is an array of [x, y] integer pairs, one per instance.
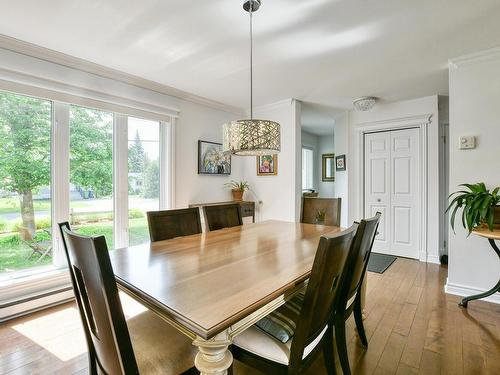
{"points": [[143, 176], [25, 179], [91, 172], [96, 155], [307, 168]]}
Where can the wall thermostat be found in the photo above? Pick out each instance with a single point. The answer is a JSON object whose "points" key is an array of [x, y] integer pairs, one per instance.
{"points": [[467, 142]]}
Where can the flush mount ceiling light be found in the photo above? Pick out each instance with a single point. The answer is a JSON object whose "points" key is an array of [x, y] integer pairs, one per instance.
{"points": [[365, 103], [251, 136]]}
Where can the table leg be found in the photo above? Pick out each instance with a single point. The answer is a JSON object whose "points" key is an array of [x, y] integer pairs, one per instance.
{"points": [[493, 290], [213, 356]]}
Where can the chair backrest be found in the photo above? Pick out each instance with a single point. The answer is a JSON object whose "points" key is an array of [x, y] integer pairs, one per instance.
{"points": [[167, 224], [317, 309], [358, 259], [311, 206], [222, 216], [110, 348]]}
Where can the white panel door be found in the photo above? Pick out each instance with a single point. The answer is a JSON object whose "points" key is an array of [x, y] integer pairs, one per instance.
{"points": [[400, 202], [377, 185]]}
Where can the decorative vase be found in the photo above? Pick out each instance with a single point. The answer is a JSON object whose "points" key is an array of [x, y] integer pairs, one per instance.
{"points": [[237, 194]]}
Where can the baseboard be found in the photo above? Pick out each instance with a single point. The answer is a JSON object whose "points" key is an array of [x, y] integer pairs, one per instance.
{"points": [[464, 291], [429, 258], [30, 305], [433, 259]]}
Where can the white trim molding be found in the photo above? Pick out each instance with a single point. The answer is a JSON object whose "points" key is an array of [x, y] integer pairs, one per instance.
{"points": [[28, 84], [482, 56], [466, 290], [422, 122], [49, 55]]}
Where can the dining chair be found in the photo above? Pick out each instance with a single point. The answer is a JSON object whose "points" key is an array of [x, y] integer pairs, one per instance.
{"points": [[143, 344], [330, 206], [306, 328], [349, 299], [222, 216], [167, 224]]}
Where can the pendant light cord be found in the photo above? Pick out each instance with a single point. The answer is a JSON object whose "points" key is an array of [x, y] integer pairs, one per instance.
{"points": [[251, 62]]}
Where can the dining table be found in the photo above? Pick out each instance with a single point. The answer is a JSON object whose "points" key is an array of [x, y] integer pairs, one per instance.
{"points": [[213, 285]]}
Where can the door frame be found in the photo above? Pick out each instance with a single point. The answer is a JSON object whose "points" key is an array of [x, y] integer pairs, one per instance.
{"points": [[422, 123]]}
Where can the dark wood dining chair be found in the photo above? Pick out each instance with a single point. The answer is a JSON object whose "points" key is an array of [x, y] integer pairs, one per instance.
{"points": [[350, 295], [309, 324], [311, 206], [167, 224], [145, 343], [222, 216]]}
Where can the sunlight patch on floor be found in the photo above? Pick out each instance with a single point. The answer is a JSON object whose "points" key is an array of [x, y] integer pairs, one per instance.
{"points": [[60, 333]]}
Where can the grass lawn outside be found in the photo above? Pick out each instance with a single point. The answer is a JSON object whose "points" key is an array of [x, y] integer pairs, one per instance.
{"points": [[11, 205], [15, 255]]}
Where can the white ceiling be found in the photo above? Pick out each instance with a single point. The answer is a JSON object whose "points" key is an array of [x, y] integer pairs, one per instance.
{"points": [[319, 119], [323, 51]]}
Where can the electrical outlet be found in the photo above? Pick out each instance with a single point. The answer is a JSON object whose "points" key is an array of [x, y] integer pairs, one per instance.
{"points": [[467, 142]]}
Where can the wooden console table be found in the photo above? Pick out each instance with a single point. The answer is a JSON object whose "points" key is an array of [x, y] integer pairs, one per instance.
{"points": [[247, 208], [491, 236]]}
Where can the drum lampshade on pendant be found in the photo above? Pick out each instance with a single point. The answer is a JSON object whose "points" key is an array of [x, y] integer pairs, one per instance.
{"points": [[251, 136]]}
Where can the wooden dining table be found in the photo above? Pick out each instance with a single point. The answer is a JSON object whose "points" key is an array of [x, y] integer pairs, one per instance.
{"points": [[214, 285]]}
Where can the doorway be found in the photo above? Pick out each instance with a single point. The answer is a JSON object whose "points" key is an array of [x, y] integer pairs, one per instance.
{"points": [[392, 186]]}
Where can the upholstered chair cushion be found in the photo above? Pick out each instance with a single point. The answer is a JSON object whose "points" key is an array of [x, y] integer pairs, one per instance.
{"points": [[282, 322], [255, 341]]}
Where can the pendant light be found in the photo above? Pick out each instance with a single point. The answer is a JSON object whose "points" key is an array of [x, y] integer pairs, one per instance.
{"points": [[251, 136]]}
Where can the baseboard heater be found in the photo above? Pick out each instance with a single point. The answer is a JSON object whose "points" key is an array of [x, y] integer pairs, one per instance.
{"points": [[27, 305]]}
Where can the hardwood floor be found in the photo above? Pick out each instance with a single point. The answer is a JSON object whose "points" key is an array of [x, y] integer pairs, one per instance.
{"points": [[412, 326]]}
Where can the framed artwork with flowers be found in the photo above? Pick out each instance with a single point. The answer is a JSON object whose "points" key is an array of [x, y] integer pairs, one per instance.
{"points": [[267, 165]]}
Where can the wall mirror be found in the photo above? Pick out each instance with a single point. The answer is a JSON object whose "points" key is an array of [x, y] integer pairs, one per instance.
{"points": [[328, 167]]}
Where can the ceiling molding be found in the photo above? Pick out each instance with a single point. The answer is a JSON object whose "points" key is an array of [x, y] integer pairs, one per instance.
{"points": [[270, 106], [32, 50], [473, 58]]}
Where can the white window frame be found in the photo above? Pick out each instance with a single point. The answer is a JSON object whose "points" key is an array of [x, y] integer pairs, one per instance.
{"points": [[53, 282], [312, 167]]}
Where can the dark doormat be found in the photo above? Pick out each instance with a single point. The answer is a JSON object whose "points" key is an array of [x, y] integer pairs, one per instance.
{"points": [[380, 262]]}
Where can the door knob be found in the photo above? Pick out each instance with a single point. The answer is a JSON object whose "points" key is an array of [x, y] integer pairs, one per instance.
{"points": [[378, 200]]}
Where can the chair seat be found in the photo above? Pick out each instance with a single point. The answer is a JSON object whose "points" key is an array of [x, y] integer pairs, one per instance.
{"points": [[257, 342], [159, 348], [281, 323]]}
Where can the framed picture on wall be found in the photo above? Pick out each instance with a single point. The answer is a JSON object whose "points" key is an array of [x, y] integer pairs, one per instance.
{"points": [[211, 159], [327, 167], [267, 165], [340, 163]]}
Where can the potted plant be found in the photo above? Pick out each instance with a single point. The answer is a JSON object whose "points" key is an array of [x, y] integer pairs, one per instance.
{"points": [[237, 189], [480, 206], [320, 216]]}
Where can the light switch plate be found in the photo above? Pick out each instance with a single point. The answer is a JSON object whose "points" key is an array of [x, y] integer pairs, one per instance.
{"points": [[467, 142]]}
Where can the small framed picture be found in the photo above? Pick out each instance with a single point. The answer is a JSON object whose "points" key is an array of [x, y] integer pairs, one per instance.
{"points": [[267, 165], [340, 163], [211, 159], [327, 168]]}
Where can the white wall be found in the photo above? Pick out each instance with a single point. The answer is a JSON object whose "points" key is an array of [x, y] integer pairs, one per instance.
{"points": [[280, 195], [474, 110], [326, 145], [341, 140], [398, 110], [198, 122]]}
